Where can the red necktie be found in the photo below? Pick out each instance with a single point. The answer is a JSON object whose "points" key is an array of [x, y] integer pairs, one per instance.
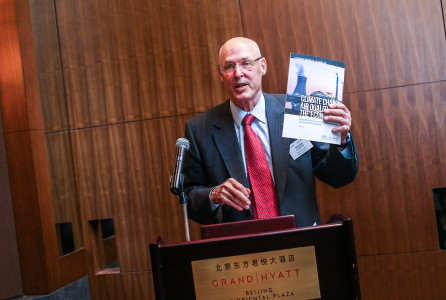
{"points": [[265, 204]]}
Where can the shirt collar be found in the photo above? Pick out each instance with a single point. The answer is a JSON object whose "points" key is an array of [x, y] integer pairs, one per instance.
{"points": [[258, 111]]}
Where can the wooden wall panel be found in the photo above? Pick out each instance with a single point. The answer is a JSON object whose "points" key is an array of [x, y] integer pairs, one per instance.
{"points": [[443, 4], [47, 53], [122, 172], [25, 147], [384, 44], [63, 185], [401, 139], [33, 210], [130, 61], [135, 286], [32, 108], [10, 276], [408, 276], [395, 88], [12, 92], [128, 74]]}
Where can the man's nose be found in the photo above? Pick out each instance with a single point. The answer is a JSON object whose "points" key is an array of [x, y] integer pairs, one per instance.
{"points": [[238, 70]]}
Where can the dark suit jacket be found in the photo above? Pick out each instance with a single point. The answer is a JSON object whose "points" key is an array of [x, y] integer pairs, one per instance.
{"points": [[215, 156]]}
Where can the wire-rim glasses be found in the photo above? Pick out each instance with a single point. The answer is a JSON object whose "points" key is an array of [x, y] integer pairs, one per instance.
{"points": [[245, 64]]}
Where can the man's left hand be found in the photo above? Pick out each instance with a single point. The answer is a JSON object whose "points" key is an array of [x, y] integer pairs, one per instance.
{"points": [[339, 113]]}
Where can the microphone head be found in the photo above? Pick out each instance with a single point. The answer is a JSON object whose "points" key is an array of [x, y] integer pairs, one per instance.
{"points": [[183, 143]]}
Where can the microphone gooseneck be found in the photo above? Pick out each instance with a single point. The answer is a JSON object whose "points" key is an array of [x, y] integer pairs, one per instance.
{"points": [[176, 181]]}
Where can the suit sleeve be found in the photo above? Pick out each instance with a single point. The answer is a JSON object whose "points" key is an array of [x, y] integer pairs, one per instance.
{"points": [[196, 183], [331, 167]]}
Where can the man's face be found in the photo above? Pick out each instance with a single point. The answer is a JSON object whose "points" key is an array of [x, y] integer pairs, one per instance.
{"points": [[243, 86]]}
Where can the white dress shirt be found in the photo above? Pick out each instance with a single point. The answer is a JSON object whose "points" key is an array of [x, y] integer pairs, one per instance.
{"points": [[260, 127]]}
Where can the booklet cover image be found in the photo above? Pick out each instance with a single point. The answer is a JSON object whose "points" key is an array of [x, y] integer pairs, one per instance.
{"points": [[313, 83]]}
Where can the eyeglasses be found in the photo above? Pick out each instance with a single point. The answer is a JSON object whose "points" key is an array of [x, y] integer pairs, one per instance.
{"points": [[246, 64]]}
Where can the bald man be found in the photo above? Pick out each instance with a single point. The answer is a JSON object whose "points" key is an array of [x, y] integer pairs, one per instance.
{"points": [[216, 179]]}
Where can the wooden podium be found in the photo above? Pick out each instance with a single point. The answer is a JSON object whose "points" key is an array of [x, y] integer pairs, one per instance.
{"points": [[176, 265]]}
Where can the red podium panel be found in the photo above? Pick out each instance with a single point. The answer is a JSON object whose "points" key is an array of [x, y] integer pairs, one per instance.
{"points": [[333, 244], [248, 227]]}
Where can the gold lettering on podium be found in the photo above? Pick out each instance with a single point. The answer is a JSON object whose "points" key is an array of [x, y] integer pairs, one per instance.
{"points": [[287, 274]]}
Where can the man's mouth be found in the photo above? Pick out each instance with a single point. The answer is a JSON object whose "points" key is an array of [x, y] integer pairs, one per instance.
{"points": [[240, 85]]}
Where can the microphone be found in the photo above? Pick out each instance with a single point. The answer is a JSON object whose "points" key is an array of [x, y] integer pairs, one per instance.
{"points": [[176, 180]]}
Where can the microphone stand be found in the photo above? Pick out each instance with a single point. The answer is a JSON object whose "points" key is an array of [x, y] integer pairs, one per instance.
{"points": [[176, 180], [182, 199], [183, 203]]}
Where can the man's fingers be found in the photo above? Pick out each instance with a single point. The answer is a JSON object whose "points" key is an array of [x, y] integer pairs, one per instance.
{"points": [[237, 195], [238, 186], [342, 121], [233, 194], [226, 197], [339, 113]]}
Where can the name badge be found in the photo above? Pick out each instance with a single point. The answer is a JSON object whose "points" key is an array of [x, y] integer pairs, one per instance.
{"points": [[299, 147]]}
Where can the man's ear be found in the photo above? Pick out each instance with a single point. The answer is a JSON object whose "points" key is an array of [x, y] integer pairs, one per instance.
{"points": [[264, 66], [219, 74]]}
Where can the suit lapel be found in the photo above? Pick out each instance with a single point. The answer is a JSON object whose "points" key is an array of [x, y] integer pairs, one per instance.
{"points": [[279, 147], [226, 140]]}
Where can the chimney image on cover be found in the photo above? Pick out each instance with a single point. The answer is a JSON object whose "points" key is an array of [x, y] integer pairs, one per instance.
{"points": [[300, 89], [301, 85]]}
